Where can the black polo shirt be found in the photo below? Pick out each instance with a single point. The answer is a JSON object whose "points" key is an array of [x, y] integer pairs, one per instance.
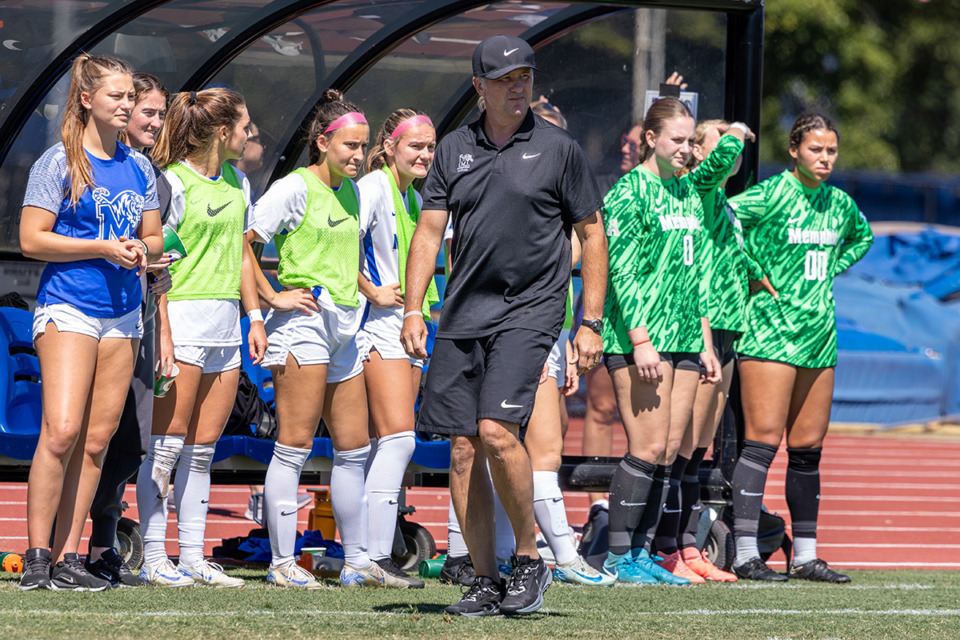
{"points": [[513, 209]]}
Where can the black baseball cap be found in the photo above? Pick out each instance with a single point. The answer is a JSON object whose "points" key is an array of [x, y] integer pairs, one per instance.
{"points": [[499, 55]]}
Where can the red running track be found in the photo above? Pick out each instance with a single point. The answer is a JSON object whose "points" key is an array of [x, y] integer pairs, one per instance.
{"points": [[887, 502]]}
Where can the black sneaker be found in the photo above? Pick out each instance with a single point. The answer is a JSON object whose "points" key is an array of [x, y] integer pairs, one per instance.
{"points": [[396, 577], [817, 571], [36, 570], [70, 575], [528, 583], [481, 599], [757, 569], [458, 570], [114, 570]]}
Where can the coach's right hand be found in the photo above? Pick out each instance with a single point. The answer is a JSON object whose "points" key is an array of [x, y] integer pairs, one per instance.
{"points": [[413, 336]]}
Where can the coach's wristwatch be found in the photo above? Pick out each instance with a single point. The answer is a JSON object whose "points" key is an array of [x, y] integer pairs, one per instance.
{"points": [[596, 325]]}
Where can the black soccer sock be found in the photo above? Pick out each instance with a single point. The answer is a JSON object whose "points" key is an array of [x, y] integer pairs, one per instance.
{"points": [[669, 528], [690, 500], [749, 478], [647, 528], [629, 492], [803, 498]]}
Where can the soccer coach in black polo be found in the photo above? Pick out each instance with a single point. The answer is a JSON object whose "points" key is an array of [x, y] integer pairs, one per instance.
{"points": [[515, 186]]}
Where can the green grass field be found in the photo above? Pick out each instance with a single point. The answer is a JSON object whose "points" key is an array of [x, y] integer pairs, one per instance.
{"points": [[879, 604]]}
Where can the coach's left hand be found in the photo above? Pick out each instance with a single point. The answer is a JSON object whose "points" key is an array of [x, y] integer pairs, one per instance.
{"points": [[587, 350]]}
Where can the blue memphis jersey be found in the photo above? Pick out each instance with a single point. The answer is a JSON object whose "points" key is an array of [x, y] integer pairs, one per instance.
{"points": [[123, 188], [380, 262]]}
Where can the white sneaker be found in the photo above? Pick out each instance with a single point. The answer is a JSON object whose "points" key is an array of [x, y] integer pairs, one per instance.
{"points": [[579, 572], [371, 576], [165, 575], [292, 576], [210, 574]]}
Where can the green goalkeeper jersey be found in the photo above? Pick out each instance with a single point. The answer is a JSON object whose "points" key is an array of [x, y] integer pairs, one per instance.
{"points": [[801, 238], [726, 267], [655, 233]]}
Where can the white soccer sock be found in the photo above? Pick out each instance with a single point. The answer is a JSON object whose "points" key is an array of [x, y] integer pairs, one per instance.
{"points": [[384, 475], [804, 550], [280, 500], [153, 483], [747, 549], [505, 542], [551, 515], [456, 545], [350, 504], [191, 489], [370, 457]]}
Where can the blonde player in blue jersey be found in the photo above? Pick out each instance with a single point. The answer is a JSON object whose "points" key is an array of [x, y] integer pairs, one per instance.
{"points": [[199, 324], [313, 215], [389, 209], [90, 212]]}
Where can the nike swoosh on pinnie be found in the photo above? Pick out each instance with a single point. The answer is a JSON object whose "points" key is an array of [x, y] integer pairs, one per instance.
{"points": [[332, 224], [213, 212]]}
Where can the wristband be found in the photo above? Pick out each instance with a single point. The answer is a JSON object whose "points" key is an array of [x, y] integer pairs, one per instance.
{"points": [[412, 313], [255, 315], [146, 249], [637, 344], [739, 125]]}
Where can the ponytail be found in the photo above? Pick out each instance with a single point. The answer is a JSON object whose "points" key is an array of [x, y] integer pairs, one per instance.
{"points": [[86, 76], [330, 107], [192, 123]]}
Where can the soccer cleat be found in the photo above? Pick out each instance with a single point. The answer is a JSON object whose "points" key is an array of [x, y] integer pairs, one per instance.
{"points": [[709, 571], [292, 576], [165, 575], [579, 572], [210, 574], [36, 570], [483, 598], [673, 563], [625, 569], [397, 578], [817, 571], [112, 568], [458, 570], [371, 576], [70, 575], [528, 583], [757, 569], [648, 564]]}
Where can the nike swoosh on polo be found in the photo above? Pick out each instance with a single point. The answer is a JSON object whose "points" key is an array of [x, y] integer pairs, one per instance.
{"points": [[504, 405], [288, 513], [748, 494], [213, 212], [632, 504], [333, 224], [506, 53], [526, 157]]}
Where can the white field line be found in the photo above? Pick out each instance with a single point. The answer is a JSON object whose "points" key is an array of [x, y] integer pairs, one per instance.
{"points": [[322, 612]]}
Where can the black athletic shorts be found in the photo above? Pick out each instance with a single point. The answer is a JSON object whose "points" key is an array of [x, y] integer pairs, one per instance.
{"points": [[493, 377], [679, 360], [723, 341]]}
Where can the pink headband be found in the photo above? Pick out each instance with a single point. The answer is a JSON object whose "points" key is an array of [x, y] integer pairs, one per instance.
{"points": [[410, 123], [347, 119]]}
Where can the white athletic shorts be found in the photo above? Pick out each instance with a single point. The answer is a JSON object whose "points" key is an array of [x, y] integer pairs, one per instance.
{"points": [[69, 319], [388, 346], [209, 359], [313, 339], [556, 361]]}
